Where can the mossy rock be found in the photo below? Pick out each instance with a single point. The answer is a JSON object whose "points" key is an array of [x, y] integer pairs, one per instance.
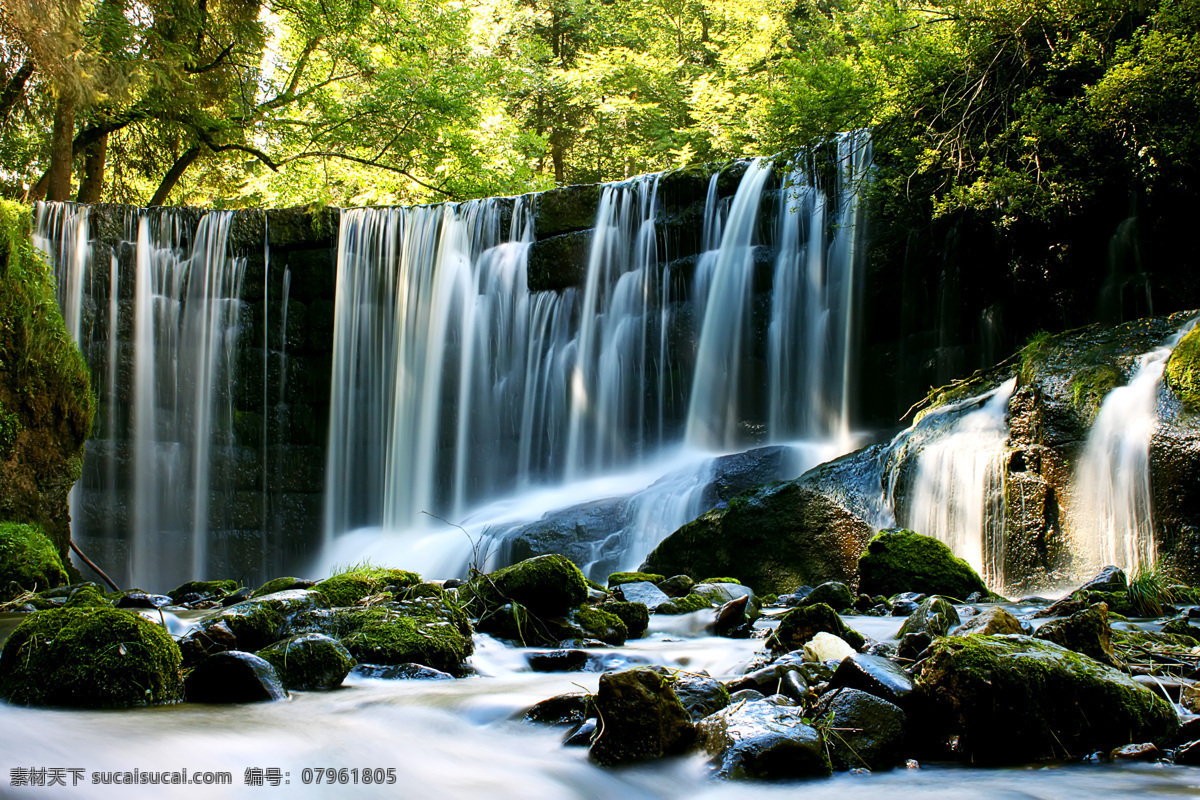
{"points": [[309, 661], [205, 589], [89, 658], [685, 605], [1182, 372], [89, 595], [281, 585], [548, 586], [46, 400], [935, 616], [901, 560], [1013, 699], [425, 631], [800, 625], [635, 616], [28, 561], [598, 623], [643, 718], [721, 580], [1091, 385], [347, 588], [618, 578]]}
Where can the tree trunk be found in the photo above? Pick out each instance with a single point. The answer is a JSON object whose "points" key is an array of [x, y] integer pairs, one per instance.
{"points": [[91, 185], [58, 185], [173, 175], [14, 90]]}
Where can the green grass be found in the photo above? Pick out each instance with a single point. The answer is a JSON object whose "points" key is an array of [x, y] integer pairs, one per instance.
{"points": [[1150, 589]]}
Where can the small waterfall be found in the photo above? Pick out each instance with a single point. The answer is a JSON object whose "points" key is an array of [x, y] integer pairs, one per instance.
{"points": [[956, 489], [1111, 515]]}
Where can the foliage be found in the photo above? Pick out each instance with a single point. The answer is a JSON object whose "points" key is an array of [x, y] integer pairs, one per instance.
{"points": [[1182, 372], [1150, 589], [28, 561]]}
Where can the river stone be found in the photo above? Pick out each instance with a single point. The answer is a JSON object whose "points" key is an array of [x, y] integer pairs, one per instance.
{"points": [[563, 709], [642, 592], [233, 677], [309, 661], [677, 586], [834, 594], [428, 630], [642, 716], [1085, 631], [202, 590], [1013, 699], [720, 593], [785, 678], [875, 675], [735, 619], [773, 538], [558, 661], [798, 626], [936, 616], [635, 616], [827, 647], [700, 694], [900, 560], [400, 672], [548, 586], [1110, 579], [89, 658], [865, 730], [136, 599], [761, 740], [989, 621]]}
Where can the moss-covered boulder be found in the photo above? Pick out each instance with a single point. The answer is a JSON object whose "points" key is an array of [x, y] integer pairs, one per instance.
{"points": [[798, 626], [635, 616], [618, 578], [428, 631], [934, 616], [599, 623], [309, 661], [87, 595], [1182, 372], [774, 538], [202, 590], [643, 718], [347, 588], [1085, 632], [29, 561], [46, 400], [233, 677], [901, 560], [1012, 699], [282, 585], [89, 658], [760, 740], [548, 586]]}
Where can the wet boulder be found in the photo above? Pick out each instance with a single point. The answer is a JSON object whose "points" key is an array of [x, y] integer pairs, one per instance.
{"points": [[28, 560], [798, 626], [760, 740], [593, 622], [563, 709], [700, 694], [643, 718], [834, 594], [620, 578], [196, 591], [558, 661], [1110, 579], [309, 661], [233, 677], [677, 586], [1012, 699], [428, 631], [347, 588], [989, 622], [89, 658], [400, 672], [774, 538], [1085, 632], [901, 560], [282, 585], [642, 592], [827, 647], [934, 616], [875, 675], [548, 586], [635, 616], [865, 730]]}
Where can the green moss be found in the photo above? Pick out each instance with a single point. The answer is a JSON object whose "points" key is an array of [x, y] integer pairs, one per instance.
{"points": [[1089, 387], [1183, 370], [279, 585], [722, 580], [617, 578], [347, 588], [548, 586], [206, 589], [1034, 355], [87, 596], [1015, 699], [422, 632], [905, 561], [45, 387], [28, 561], [309, 661], [685, 605], [635, 616], [89, 658], [600, 624]]}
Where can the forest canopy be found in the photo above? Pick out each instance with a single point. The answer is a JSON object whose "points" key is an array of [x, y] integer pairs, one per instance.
{"points": [[1017, 107]]}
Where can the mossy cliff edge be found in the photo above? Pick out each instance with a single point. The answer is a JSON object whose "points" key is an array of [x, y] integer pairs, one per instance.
{"points": [[46, 400]]}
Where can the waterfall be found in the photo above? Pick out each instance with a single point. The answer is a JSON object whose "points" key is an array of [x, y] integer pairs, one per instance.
{"points": [[1111, 515], [956, 489], [164, 413]]}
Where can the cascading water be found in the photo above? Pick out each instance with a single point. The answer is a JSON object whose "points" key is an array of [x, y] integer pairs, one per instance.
{"points": [[174, 405], [1111, 514], [956, 489], [454, 386]]}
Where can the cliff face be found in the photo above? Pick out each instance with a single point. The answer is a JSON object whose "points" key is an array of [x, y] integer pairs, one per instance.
{"points": [[46, 400]]}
